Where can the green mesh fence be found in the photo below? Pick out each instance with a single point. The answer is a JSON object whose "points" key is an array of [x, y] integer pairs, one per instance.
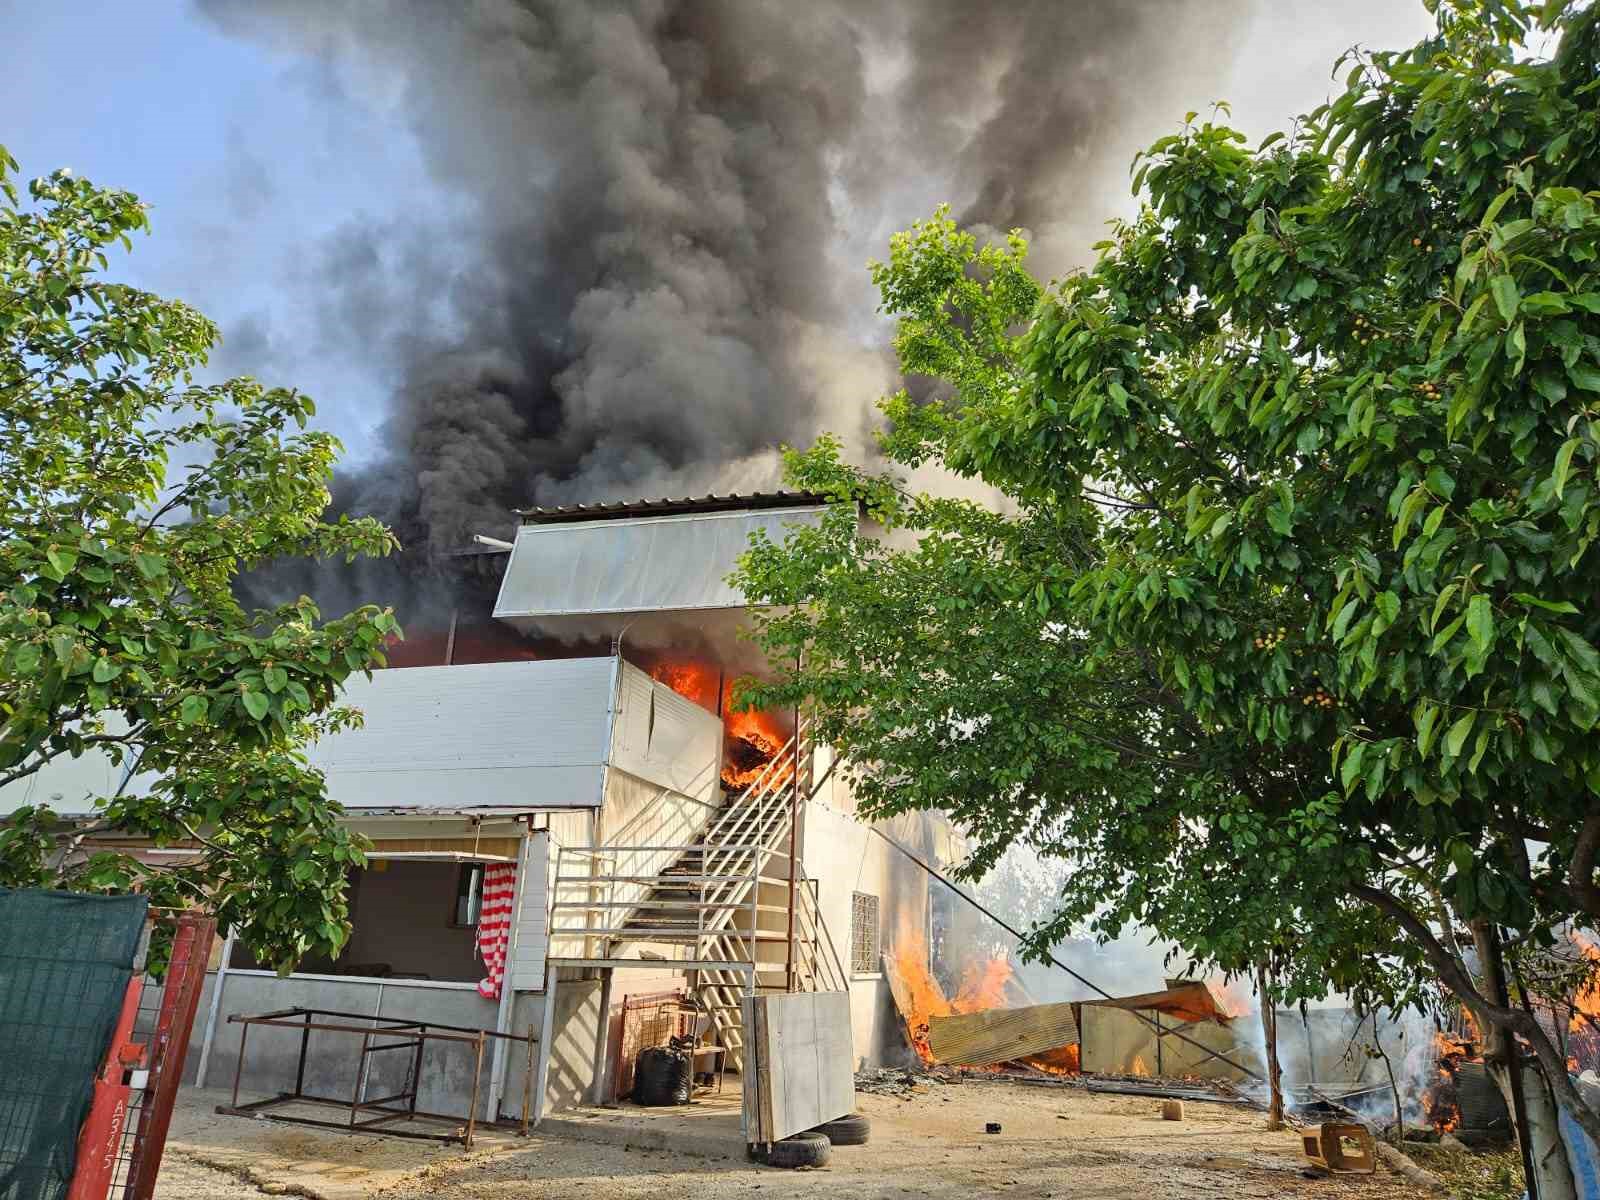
{"points": [[65, 962]]}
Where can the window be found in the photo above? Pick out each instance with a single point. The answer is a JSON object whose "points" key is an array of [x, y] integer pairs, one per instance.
{"points": [[864, 950], [469, 895]]}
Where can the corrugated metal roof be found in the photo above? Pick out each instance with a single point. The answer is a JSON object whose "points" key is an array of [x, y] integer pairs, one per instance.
{"points": [[663, 507]]}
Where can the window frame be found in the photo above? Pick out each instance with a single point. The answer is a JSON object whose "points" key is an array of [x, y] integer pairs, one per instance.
{"points": [[473, 894], [873, 906]]}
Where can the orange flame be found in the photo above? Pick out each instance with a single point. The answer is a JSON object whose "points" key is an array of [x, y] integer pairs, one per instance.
{"points": [[1233, 997], [1586, 1001], [751, 738], [1065, 1061], [923, 998], [1439, 1104], [1583, 1036], [983, 986], [1138, 1067], [692, 681]]}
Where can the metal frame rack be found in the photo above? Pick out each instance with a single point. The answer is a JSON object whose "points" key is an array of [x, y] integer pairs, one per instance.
{"points": [[412, 1036]]}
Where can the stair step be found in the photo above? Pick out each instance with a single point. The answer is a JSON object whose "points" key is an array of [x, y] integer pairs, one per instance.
{"points": [[690, 905], [674, 964], [648, 933], [660, 880]]}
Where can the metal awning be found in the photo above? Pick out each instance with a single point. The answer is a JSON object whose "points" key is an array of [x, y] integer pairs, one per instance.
{"points": [[674, 562]]}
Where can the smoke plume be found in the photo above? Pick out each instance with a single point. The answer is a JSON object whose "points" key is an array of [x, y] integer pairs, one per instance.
{"points": [[654, 274]]}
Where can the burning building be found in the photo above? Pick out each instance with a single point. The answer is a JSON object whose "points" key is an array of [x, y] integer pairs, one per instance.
{"points": [[565, 812]]}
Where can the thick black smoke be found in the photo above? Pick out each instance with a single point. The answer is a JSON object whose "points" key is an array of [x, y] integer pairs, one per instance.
{"points": [[666, 206]]}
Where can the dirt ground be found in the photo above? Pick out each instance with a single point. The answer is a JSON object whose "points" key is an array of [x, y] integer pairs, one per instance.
{"points": [[1053, 1143]]}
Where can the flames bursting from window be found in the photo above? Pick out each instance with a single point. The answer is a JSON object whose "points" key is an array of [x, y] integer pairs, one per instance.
{"points": [[750, 739]]}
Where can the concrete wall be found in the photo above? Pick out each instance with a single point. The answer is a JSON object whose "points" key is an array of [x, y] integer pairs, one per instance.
{"points": [[272, 1054], [575, 1031], [844, 856]]}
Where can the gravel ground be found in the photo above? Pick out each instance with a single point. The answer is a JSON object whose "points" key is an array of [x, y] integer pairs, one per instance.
{"points": [[183, 1177], [1053, 1143]]}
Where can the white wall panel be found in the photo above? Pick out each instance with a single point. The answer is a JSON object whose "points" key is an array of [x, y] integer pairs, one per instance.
{"points": [[662, 738], [804, 1073], [492, 735], [530, 943]]}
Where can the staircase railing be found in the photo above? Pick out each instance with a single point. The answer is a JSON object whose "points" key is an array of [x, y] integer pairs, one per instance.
{"points": [[823, 963], [707, 898], [730, 854], [599, 920]]}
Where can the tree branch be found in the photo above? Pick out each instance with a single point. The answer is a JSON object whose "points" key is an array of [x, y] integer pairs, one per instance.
{"points": [[1580, 874], [1455, 977]]}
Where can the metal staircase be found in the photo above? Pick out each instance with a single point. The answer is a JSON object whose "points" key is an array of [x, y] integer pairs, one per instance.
{"points": [[719, 908]]}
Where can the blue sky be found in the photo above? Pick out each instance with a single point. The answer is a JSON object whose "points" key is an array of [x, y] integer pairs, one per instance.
{"points": [[248, 159]]}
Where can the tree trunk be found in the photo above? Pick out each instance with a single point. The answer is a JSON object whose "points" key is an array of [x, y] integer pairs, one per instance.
{"points": [[1551, 1166], [1269, 1030], [1394, 1084], [1533, 1109], [1489, 1013]]}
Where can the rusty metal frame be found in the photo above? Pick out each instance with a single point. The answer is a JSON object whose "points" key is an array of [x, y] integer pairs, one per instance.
{"points": [[412, 1036]]}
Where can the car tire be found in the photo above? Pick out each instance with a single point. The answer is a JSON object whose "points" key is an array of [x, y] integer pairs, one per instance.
{"points": [[801, 1150], [853, 1130]]}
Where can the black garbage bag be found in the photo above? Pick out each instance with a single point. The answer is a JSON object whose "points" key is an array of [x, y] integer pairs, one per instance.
{"points": [[663, 1076]]}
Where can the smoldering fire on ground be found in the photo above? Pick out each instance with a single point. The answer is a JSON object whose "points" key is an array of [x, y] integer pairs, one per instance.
{"points": [[1363, 1059]]}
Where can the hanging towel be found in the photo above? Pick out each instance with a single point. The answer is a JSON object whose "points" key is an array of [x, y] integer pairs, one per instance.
{"points": [[494, 925]]}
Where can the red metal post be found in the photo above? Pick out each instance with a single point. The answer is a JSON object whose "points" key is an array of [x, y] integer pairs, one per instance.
{"points": [[180, 998], [100, 1139]]}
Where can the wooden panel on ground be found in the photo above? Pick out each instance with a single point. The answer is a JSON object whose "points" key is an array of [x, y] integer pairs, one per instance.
{"points": [[1116, 1042], [804, 1063], [1001, 1034]]}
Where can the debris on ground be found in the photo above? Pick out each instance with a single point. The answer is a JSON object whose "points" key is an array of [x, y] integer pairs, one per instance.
{"points": [[930, 1143], [1492, 1174], [896, 1081], [1161, 1089]]}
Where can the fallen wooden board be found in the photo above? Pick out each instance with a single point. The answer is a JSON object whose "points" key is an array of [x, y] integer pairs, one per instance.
{"points": [[1001, 1034], [1113, 1088]]}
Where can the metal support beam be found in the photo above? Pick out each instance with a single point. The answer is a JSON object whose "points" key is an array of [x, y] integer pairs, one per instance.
{"points": [[794, 860], [506, 1010], [217, 984]]}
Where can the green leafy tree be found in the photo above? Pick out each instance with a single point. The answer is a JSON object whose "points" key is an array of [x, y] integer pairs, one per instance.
{"points": [[1323, 416], [131, 496], [938, 661]]}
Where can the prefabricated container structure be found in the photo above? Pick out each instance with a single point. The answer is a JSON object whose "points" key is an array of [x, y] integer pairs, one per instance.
{"points": [[634, 869]]}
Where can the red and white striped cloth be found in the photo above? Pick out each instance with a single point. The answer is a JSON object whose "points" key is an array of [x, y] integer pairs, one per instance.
{"points": [[494, 925]]}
